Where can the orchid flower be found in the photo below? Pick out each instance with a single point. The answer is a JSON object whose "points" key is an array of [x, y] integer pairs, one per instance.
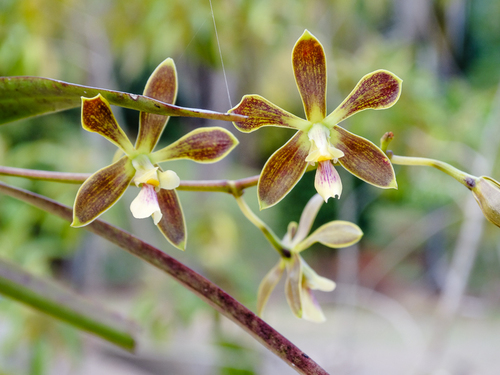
{"points": [[319, 139], [139, 165], [301, 278]]}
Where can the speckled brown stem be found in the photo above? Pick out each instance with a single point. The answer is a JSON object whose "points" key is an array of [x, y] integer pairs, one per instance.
{"points": [[77, 178], [199, 285]]}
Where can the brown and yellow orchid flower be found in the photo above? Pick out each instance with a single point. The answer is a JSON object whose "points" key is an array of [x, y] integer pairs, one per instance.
{"points": [[319, 139], [139, 165], [301, 278]]}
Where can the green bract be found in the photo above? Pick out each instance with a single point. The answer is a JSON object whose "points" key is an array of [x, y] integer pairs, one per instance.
{"points": [[319, 138], [157, 197], [301, 278]]}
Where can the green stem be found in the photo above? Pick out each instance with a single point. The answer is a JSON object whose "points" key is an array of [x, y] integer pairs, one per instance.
{"points": [[268, 233], [464, 178], [202, 287], [50, 298]]}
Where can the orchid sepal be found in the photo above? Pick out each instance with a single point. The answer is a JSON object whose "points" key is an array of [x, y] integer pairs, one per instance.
{"points": [[101, 191], [161, 85], [268, 284], [293, 284], [97, 117], [283, 170], [309, 67], [261, 112]]}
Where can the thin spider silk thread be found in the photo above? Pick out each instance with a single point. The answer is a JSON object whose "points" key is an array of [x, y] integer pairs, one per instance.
{"points": [[220, 54]]}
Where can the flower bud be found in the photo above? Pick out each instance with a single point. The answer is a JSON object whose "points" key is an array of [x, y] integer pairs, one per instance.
{"points": [[487, 193]]}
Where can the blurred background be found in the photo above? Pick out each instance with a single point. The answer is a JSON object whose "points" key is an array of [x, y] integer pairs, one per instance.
{"points": [[420, 294]]}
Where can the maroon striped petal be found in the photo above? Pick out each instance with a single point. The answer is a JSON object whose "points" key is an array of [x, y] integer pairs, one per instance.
{"points": [[309, 67], [283, 170], [101, 191], [363, 159], [261, 112], [162, 85], [203, 145], [172, 223], [377, 90], [97, 117]]}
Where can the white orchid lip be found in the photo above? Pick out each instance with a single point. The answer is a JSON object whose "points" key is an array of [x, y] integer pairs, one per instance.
{"points": [[321, 148], [146, 204], [327, 181]]}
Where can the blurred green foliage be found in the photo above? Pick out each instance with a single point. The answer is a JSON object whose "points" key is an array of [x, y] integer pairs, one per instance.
{"points": [[447, 52]]}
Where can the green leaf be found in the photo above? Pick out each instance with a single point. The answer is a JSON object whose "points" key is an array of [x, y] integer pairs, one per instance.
{"points": [[50, 298], [22, 97]]}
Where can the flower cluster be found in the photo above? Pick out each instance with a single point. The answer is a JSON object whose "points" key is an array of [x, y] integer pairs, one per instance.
{"points": [[301, 278], [139, 165], [319, 139]]}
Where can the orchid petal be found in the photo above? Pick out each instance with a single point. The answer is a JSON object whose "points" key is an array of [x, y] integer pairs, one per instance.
{"points": [[146, 204], [172, 224], [97, 117], [327, 180], [283, 170], [377, 90], [335, 234], [267, 285], [314, 281], [293, 284], [203, 145], [290, 233], [363, 159], [311, 280], [311, 310], [101, 191], [261, 112], [146, 172], [162, 85], [169, 180], [309, 67], [307, 218]]}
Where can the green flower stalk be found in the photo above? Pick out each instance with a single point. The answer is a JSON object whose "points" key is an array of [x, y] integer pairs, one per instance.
{"points": [[486, 190], [319, 139], [157, 197], [301, 278]]}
